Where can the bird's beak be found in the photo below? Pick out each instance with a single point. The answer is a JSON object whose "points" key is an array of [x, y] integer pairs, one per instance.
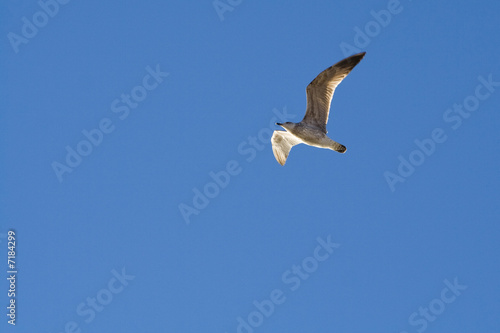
{"points": [[279, 124]]}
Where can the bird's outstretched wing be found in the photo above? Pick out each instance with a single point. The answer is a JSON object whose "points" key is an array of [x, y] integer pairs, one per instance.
{"points": [[282, 143], [320, 90]]}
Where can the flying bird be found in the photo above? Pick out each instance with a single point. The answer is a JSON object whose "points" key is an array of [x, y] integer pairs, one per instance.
{"points": [[312, 129]]}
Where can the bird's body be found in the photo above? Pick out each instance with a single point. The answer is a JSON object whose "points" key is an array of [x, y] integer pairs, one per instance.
{"points": [[312, 129], [311, 135]]}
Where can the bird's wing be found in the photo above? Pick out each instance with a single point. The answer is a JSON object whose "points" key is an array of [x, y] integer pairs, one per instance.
{"points": [[320, 90], [282, 143]]}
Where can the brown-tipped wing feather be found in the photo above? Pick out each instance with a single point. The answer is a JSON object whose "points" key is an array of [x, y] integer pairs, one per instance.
{"points": [[320, 90], [282, 143]]}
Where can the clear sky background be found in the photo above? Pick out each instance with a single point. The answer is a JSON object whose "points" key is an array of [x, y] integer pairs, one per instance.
{"points": [[102, 243]]}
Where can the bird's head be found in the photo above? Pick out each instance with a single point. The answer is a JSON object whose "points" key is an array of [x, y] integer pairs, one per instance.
{"points": [[288, 125]]}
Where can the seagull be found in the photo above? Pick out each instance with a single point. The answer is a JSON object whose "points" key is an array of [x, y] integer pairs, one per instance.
{"points": [[312, 129]]}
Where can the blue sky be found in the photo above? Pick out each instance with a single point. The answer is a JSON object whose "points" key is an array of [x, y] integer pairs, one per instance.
{"points": [[118, 115]]}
